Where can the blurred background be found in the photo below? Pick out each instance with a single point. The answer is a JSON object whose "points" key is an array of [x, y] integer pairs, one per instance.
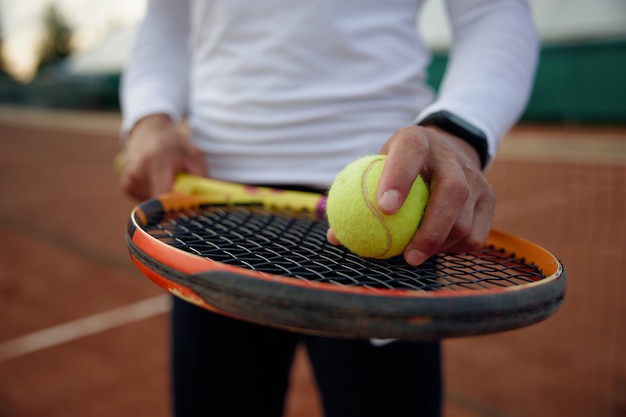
{"points": [[52, 47], [83, 334]]}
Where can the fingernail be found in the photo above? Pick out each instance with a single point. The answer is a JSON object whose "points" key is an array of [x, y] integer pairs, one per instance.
{"points": [[332, 239], [415, 257], [389, 202]]}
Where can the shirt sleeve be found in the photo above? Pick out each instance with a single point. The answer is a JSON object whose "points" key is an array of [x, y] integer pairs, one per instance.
{"points": [[155, 77], [491, 65]]}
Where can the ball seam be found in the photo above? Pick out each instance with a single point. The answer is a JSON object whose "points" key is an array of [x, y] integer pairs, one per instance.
{"points": [[373, 209]]}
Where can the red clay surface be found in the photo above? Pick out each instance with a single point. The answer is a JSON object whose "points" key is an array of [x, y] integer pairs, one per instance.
{"points": [[63, 258]]}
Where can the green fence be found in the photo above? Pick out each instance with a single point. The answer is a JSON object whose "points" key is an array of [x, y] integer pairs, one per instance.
{"points": [[95, 92], [580, 82]]}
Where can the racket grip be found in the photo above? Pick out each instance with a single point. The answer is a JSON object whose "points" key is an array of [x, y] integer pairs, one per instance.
{"points": [[224, 192]]}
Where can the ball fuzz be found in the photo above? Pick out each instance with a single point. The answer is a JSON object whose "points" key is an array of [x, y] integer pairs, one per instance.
{"points": [[355, 219]]}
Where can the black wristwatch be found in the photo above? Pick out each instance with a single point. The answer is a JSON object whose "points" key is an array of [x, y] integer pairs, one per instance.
{"points": [[455, 125]]}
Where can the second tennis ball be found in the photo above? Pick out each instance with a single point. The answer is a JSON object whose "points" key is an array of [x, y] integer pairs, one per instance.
{"points": [[355, 219]]}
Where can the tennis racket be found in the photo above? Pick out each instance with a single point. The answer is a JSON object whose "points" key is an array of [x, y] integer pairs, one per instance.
{"points": [[261, 255]]}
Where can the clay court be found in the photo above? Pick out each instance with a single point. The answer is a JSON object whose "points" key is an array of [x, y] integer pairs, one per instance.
{"points": [[83, 334]]}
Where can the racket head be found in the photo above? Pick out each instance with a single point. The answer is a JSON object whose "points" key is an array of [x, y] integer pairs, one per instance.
{"points": [[272, 265]]}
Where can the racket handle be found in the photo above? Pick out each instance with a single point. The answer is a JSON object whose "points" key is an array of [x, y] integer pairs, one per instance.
{"points": [[212, 191], [223, 192]]}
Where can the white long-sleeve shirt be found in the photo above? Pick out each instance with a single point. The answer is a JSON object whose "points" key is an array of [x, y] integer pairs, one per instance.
{"points": [[290, 91]]}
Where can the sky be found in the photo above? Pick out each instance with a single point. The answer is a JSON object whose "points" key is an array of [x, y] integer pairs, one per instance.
{"points": [[91, 20]]}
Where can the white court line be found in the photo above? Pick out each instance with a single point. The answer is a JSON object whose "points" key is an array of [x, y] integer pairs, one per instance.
{"points": [[86, 326]]}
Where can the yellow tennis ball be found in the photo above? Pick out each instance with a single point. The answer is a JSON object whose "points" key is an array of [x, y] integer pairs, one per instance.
{"points": [[355, 219]]}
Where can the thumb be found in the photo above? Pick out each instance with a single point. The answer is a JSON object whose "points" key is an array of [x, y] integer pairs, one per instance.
{"points": [[193, 161], [196, 166]]}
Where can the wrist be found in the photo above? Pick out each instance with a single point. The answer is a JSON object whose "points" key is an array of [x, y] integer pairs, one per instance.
{"points": [[150, 122], [459, 145], [456, 126]]}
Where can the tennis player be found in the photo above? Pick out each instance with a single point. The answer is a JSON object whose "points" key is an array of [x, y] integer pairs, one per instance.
{"points": [[286, 93]]}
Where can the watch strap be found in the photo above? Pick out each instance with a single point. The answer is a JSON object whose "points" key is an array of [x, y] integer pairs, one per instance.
{"points": [[461, 128]]}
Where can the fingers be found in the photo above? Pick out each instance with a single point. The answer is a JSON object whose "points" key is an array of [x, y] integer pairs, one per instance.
{"points": [[182, 156], [474, 238], [468, 232], [406, 151], [154, 154], [332, 239], [194, 162], [162, 177], [134, 183], [449, 194], [461, 205]]}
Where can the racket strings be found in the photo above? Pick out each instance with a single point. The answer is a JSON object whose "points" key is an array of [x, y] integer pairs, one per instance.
{"points": [[294, 245], [488, 268]]}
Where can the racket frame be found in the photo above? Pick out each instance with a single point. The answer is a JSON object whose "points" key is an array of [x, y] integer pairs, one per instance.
{"points": [[331, 310]]}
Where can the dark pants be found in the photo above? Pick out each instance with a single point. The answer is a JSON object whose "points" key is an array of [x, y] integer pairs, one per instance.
{"points": [[225, 367]]}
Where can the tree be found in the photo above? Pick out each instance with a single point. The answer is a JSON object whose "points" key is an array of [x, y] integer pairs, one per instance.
{"points": [[57, 41], [3, 68]]}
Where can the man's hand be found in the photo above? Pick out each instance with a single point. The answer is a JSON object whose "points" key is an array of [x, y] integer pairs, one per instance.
{"points": [[462, 202], [156, 150]]}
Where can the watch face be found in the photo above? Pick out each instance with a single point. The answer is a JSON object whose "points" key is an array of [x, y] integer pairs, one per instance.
{"points": [[467, 126]]}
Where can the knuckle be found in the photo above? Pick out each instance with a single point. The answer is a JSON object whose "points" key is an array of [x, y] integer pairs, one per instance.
{"points": [[456, 187], [430, 243], [486, 203], [472, 243], [491, 195], [413, 137], [461, 230], [486, 206]]}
